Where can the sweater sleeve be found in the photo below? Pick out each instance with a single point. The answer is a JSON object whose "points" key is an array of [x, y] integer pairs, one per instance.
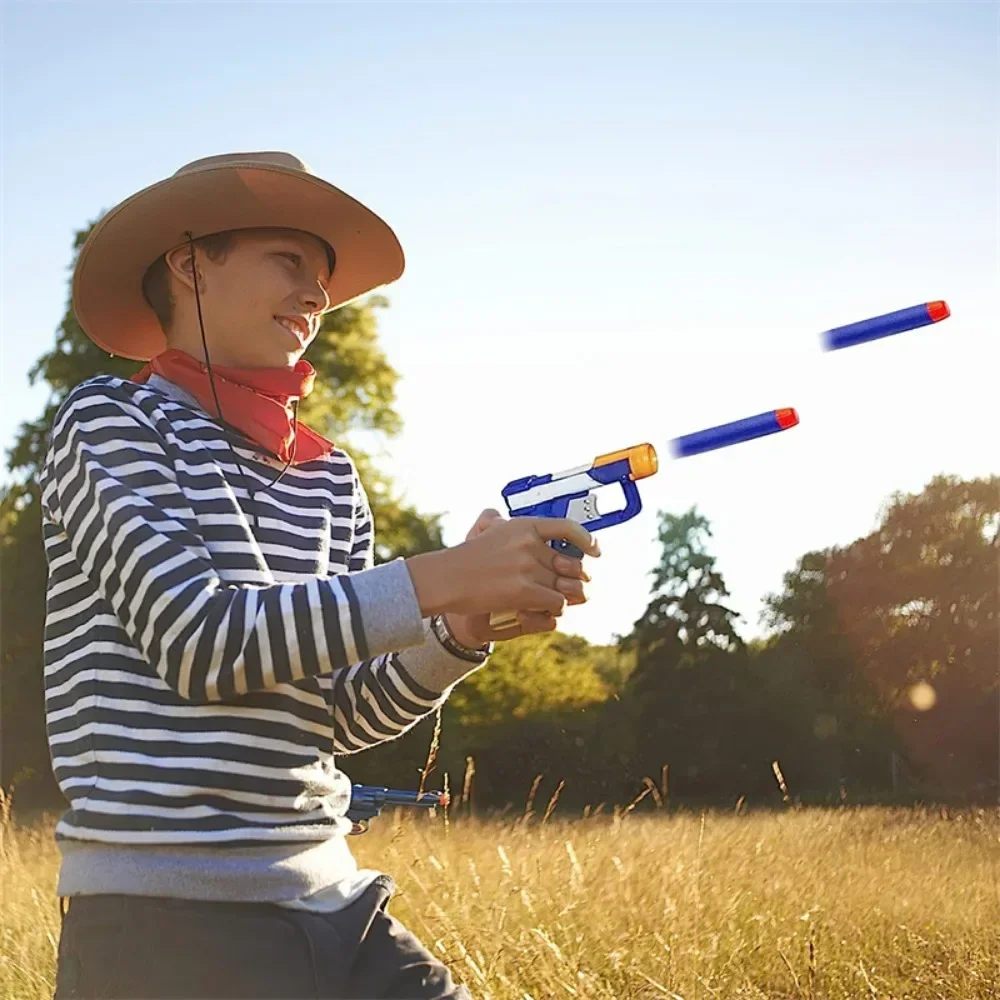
{"points": [[381, 698], [110, 486]]}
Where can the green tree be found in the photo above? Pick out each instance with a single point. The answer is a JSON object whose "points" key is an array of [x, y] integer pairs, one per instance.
{"points": [[531, 676], [915, 601], [355, 392], [804, 621], [23, 749], [689, 692], [918, 596], [687, 592]]}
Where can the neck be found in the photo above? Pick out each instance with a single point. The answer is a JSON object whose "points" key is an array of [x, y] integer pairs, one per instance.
{"points": [[187, 339], [221, 359], [288, 380]]}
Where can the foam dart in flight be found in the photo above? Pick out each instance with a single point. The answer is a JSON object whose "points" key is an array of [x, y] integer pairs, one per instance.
{"points": [[885, 326], [736, 432]]}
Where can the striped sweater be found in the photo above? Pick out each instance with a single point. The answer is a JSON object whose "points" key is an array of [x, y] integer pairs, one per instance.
{"points": [[203, 665]]}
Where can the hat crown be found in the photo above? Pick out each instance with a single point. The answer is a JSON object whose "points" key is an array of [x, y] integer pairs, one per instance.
{"points": [[267, 158]]}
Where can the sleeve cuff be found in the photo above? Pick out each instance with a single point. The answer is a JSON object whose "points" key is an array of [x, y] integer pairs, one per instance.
{"points": [[432, 666], [390, 612]]}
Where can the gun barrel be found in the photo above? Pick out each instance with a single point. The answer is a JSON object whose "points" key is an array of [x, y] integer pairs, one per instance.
{"points": [[735, 432], [396, 797], [642, 460], [886, 325], [399, 798]]}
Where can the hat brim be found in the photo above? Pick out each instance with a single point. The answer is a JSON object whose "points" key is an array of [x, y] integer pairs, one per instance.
{"points": [[107, 282]]}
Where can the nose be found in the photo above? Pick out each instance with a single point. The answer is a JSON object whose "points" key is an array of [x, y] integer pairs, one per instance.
{"points": [[314, 297]]}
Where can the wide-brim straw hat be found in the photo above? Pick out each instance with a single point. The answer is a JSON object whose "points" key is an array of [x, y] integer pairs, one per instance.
{"points": [[212, 195]]}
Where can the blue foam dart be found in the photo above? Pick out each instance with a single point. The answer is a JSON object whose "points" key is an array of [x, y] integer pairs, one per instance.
{"points": [[885, 325], [734, 433]]}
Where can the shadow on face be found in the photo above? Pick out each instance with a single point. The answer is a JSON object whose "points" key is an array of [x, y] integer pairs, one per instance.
{"points": [[262, 295]]}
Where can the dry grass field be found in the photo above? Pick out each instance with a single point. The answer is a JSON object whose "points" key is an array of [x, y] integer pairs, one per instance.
{"points": [[845, 903]]}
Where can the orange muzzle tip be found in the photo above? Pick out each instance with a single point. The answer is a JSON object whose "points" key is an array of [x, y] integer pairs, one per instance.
{"points": [[642, 460]]}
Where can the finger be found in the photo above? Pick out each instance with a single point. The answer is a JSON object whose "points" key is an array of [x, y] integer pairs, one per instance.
{"points": [[541, 571], [531, 622], [573, 589], [552, 528], [547, 562], [545, 599], [567, 566]]}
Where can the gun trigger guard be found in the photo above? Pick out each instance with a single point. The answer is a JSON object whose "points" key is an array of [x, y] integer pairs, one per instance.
{"points": [[360, 826]]}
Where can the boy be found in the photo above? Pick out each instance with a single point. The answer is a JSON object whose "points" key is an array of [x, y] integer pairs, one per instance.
{"points": [[215, 625]]}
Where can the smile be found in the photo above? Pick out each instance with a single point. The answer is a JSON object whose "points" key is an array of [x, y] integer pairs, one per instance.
{"points": [[293, 328]]}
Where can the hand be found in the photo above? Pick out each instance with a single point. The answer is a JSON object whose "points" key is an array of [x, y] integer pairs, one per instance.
{"points": [[502, 565], [474, 630]]}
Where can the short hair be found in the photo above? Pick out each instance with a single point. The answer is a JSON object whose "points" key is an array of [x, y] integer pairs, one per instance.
{"points": [[156, 280]]}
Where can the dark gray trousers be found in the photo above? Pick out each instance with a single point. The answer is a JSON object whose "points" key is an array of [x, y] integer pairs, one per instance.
{"points": [[147, 948]]}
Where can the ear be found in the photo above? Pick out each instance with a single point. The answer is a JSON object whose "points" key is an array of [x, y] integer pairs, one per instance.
{"points": [[179, 265]]}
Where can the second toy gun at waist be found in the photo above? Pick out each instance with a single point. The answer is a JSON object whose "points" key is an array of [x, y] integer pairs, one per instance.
{"points": [[368, 801], [571, 494]]}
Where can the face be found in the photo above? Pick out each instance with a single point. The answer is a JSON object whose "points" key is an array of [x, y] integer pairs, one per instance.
{"points": [[262, 302]]}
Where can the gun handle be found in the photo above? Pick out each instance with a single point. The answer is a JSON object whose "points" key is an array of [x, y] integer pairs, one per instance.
{"points": [[501, 620], [566, 548]]}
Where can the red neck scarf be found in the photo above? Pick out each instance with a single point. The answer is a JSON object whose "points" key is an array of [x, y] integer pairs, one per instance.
{"points": [[255, 401]]}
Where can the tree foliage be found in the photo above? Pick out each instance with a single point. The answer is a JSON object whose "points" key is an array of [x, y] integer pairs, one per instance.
{"points": [[690, 684], [687, 592], [530, 676], [915, 602]]}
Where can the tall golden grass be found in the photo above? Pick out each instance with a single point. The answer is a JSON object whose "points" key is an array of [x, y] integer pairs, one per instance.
{"points": [[880, 904]]}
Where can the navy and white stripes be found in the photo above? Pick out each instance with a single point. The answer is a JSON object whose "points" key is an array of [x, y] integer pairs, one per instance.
{"points": [[199, 675]]}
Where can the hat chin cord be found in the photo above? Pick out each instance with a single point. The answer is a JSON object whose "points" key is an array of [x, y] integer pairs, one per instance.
{"points": [[252, 491]]}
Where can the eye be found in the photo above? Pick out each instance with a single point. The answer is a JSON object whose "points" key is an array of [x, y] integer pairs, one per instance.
{"points": [[295, 258]]}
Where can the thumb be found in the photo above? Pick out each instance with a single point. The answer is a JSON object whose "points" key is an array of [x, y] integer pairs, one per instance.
{"points": [[485, 521]]}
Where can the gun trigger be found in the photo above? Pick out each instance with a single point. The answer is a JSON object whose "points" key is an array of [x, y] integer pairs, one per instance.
{"points": [[360, 826]]}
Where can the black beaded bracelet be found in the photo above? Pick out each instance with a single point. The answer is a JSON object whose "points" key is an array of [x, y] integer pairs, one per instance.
{"points": [[443, 634]]}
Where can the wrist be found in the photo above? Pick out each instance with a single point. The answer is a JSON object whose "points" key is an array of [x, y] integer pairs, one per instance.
{"points": [[458, 626], [432, 582], [463, 646]]}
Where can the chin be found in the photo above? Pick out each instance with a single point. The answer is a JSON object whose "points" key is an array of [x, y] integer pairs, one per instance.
{"points": [[275, 359]]}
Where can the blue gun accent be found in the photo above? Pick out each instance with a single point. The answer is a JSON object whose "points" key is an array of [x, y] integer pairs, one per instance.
{"points": [[368, 801], [605, 475], [570, 494]]}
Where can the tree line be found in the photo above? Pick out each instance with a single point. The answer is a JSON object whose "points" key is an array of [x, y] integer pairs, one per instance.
{"points": [[878, 677]]}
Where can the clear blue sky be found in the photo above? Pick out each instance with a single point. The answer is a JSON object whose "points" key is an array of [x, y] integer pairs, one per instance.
{"points": [[622, 223]]}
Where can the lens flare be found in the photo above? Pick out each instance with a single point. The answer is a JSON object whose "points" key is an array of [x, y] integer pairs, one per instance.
{"points": [[922, 696]]}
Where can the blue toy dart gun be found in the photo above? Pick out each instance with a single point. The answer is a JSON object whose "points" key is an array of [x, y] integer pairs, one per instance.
{"points": [[570, 494], [886, 325], [368, 801]]}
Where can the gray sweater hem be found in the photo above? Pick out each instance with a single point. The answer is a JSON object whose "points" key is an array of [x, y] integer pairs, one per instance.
{"points": [[280, 874]]}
